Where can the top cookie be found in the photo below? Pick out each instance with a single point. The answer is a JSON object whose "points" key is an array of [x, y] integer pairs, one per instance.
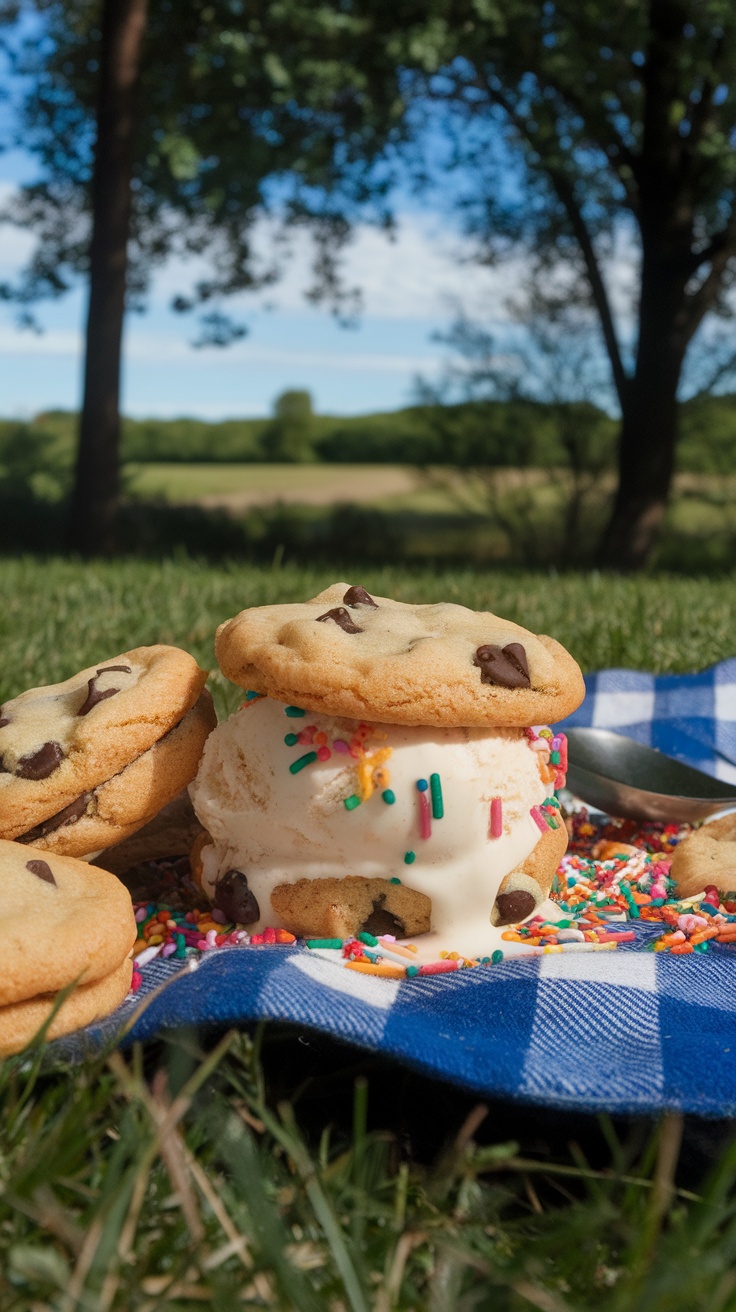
{"points": [[347, 653], [63, 740]]}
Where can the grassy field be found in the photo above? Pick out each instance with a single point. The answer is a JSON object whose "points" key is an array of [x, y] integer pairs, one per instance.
{"points": [[279, 1170], [56, 617], [522, 517], [241, 486]]}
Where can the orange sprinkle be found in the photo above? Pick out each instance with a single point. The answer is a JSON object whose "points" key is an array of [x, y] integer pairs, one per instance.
{"points": [[368, 968], [703, 936], [681, 949]]}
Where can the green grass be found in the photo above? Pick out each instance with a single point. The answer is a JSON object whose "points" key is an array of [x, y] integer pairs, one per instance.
{"points": [[297, 1175], [57, 617]]}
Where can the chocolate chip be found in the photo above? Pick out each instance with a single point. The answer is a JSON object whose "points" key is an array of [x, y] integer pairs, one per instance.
{"points": [[40, 764], [381, 921], [357, 596], [505, 666], [513, 907], [70, 813], [235, 900], [42, 869], [95, 695], [340, 616]]}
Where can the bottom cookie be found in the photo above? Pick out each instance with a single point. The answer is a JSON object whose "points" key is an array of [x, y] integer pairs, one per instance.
{"points": [[21, 1021], [528, 886], [339, 908]]}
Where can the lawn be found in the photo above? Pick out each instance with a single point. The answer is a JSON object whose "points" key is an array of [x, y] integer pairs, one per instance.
{"points": [[280, 1170]]}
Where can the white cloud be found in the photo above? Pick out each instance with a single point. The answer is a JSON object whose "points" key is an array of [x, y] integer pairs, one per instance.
{"points": [[410, 276]]}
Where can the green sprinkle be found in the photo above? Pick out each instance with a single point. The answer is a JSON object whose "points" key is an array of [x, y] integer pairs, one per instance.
{"points": [[294, 712], [552, 801], [497, 957], [301, 761], [551, 822], [389, 796], [412, 971], [394, 880], [554, 758], [564, 924], [370, 939], [251, 695], [324, 942], [350, 803], [438, 806], [291, 739], [409, 858]]}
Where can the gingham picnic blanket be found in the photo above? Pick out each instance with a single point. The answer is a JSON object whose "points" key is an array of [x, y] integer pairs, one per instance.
{"points": [[624, 1031]]}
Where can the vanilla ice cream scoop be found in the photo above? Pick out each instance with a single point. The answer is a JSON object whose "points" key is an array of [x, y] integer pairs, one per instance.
{"points": [[288, 795]]}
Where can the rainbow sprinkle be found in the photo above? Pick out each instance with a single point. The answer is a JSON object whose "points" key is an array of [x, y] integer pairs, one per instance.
{"points": [[438, 806]]}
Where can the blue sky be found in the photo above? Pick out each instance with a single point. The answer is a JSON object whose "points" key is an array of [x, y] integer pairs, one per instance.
{"points": [[409, 288]]}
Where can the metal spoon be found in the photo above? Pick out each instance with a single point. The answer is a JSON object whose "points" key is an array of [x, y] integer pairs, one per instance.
{"points": [[624, 778]]}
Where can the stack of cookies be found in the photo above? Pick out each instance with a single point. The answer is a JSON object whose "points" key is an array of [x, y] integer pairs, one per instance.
{"points": [[67, 926], [85, 764]]}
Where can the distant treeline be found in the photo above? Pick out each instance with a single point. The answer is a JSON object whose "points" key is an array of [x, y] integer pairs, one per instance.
{"points": [[513, 434]]}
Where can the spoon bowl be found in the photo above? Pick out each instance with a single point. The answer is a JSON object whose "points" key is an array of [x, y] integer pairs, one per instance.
{"points": [[624, 778]]}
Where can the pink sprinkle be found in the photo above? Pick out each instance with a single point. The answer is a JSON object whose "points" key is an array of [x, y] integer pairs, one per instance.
{"points": [[425, 816], [167, 949], [269, 935], [140, 915], [538, 818], [211, 938], [218, 916], [323, 753], [202, 944], [136, 981], [497, 817], [439, 967], [340, 745]]}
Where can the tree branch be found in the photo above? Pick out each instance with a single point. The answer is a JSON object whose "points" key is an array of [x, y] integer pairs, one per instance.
{"points": [[697, 304], [566, 195], [565, 192]]}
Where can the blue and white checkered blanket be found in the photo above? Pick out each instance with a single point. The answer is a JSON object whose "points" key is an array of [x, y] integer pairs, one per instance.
{"points": [[625, 1031]]}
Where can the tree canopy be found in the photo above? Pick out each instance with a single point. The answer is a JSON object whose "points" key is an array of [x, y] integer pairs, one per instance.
{"points": [[243, 112]]}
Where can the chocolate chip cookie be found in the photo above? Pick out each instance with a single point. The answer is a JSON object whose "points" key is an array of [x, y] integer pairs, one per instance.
{"points": [[350, 654], [707, 856], [85, 763], [20, 1022], [64, 922]]}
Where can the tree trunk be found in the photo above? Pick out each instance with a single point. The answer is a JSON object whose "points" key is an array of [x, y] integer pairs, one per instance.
{"points": [[95, 498], [649, 425]]}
